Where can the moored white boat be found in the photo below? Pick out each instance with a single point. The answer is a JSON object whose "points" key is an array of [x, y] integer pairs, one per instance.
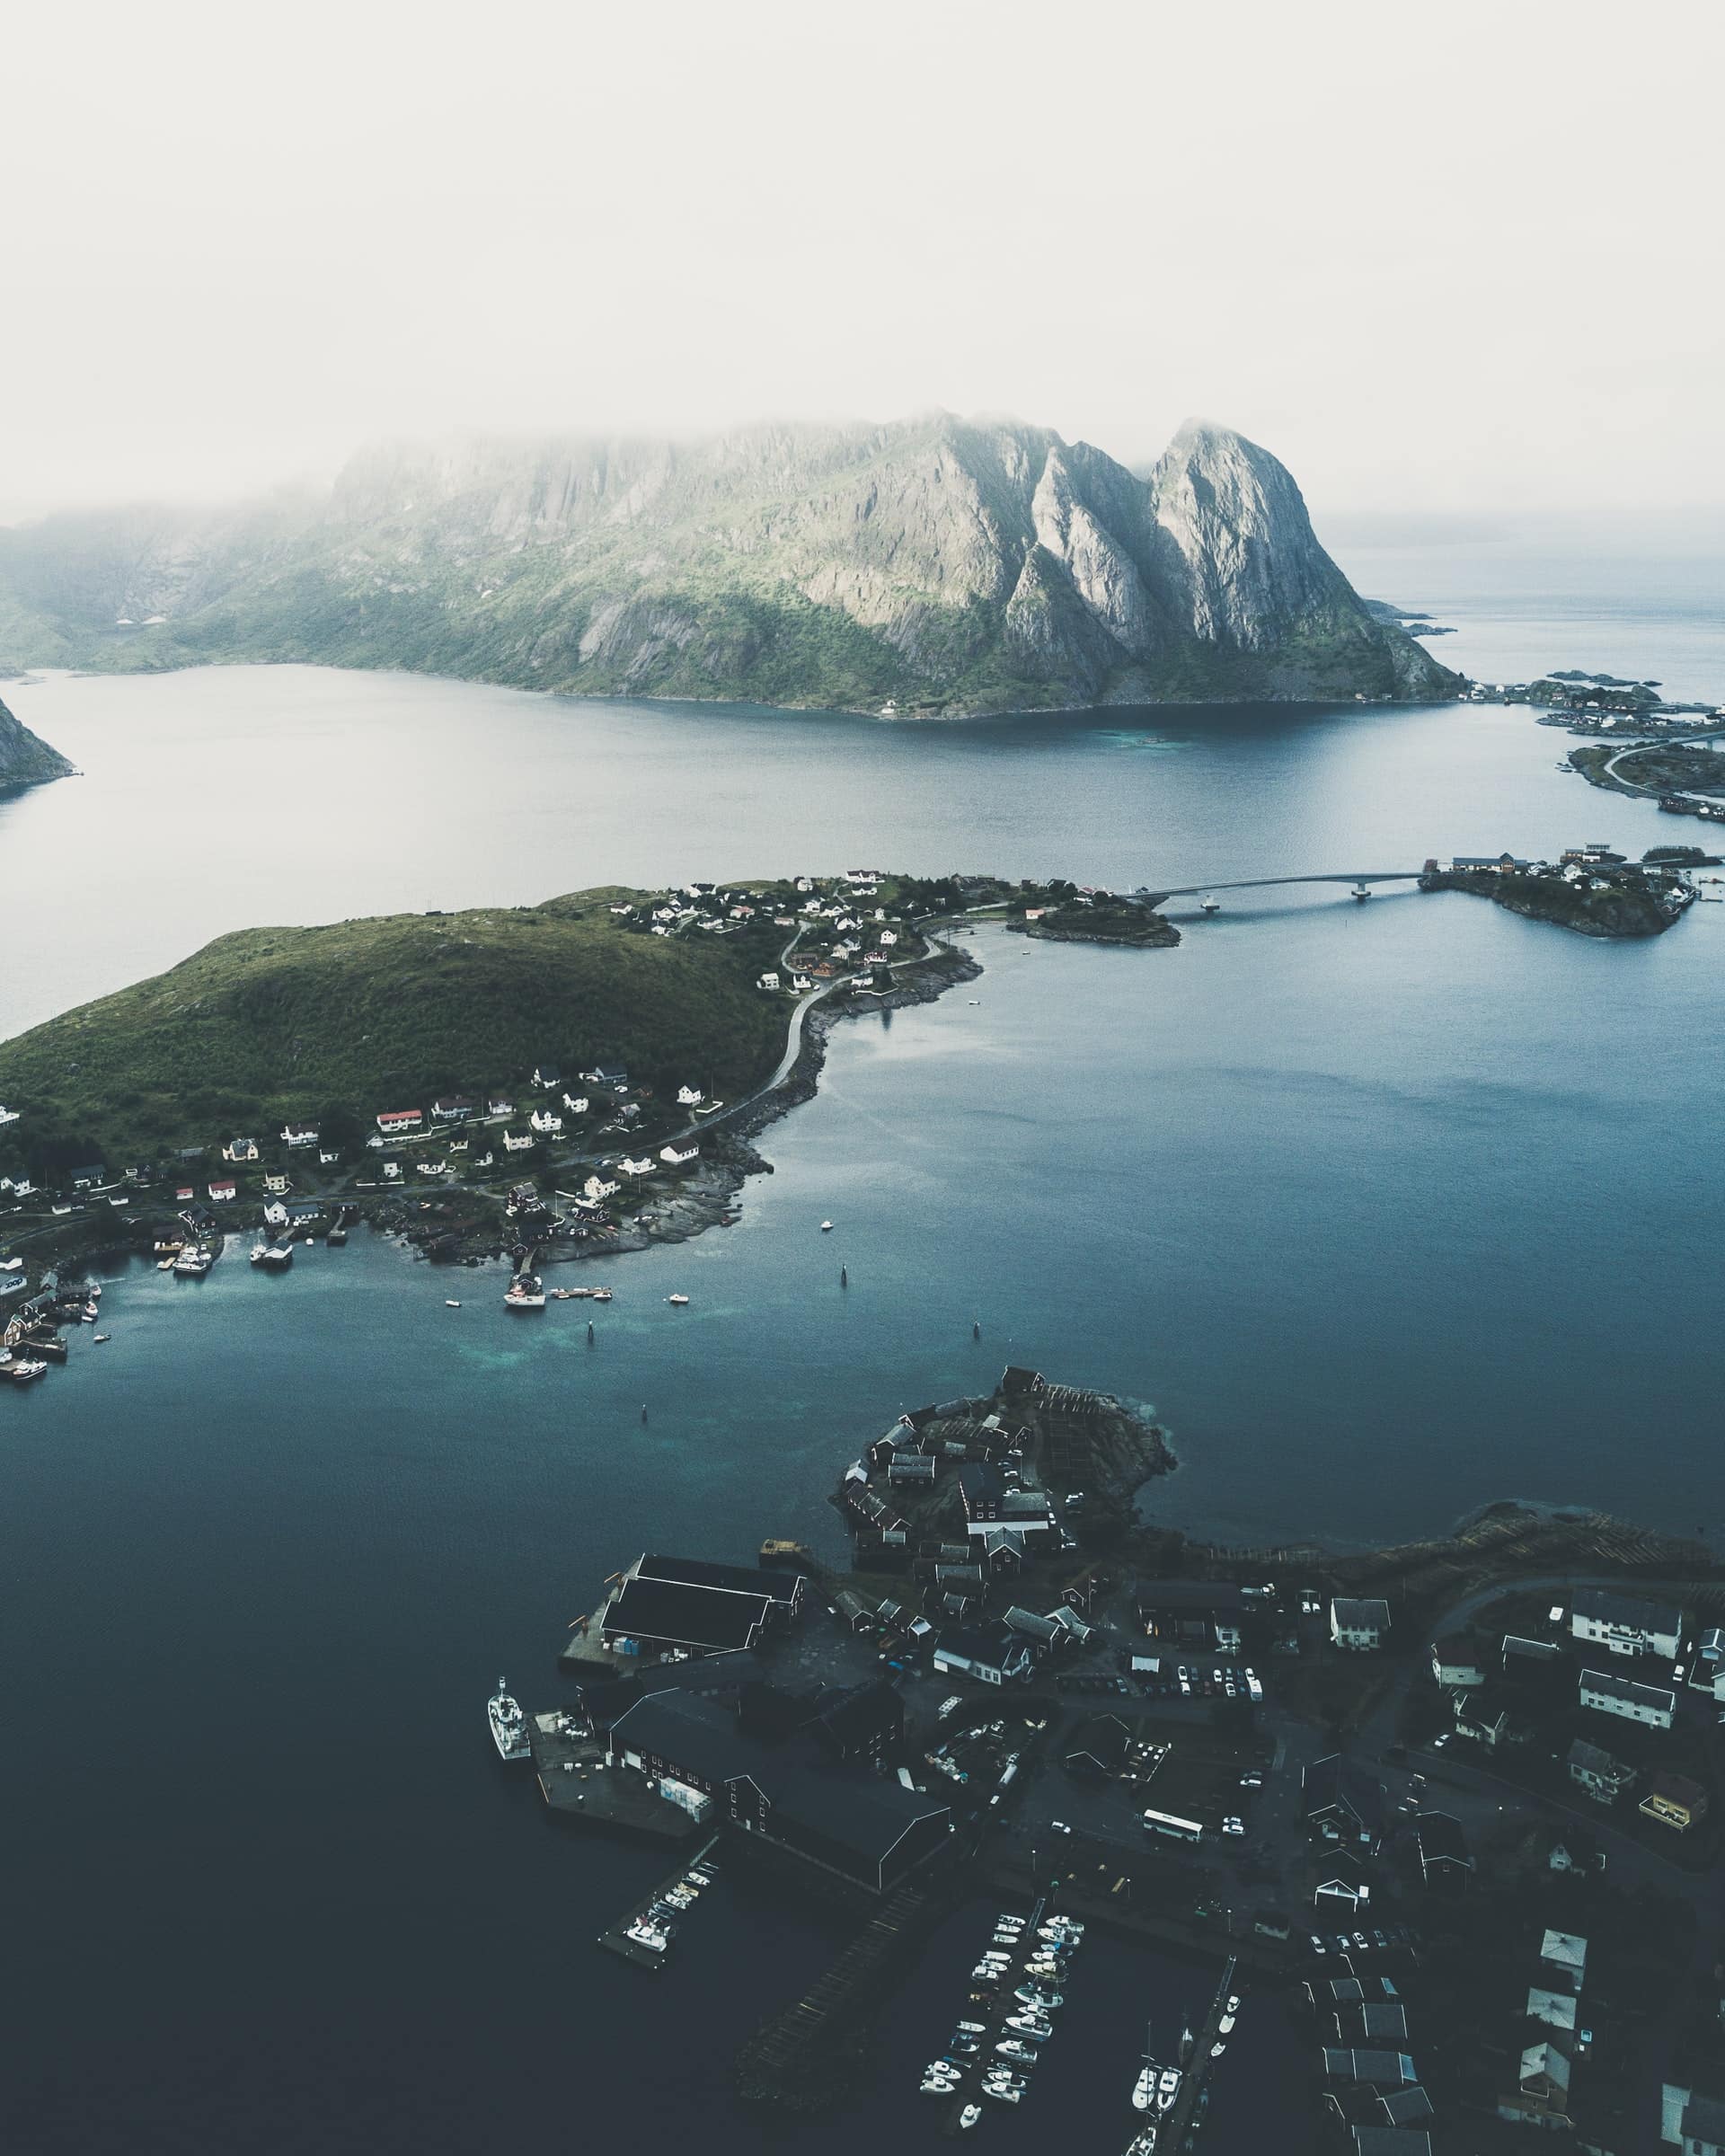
{"points": [[509, 1724]]}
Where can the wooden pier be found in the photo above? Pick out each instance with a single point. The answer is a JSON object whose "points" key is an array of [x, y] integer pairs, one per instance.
{"points": [[616, 1941]]}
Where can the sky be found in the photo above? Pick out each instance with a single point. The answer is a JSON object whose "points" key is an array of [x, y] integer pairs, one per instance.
{"points": [[1451, 263]]}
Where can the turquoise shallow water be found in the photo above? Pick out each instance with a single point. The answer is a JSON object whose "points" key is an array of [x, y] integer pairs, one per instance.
{"points": [[1390, 1210]]}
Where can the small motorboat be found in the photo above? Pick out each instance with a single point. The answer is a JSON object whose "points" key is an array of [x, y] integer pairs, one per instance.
{"points": [[102, 1339], [1036, 2027], [601, 1295], [1002, 2094], [1360, 893], [1234, 2003], [1039, 2002], [1225, 2026], [970, 2115], [973, 2028], [1017, 2049], [1210, 905], [1216, 2050], [825, 1227], [449, 1303], [677, 1301], [1167, 2088]]}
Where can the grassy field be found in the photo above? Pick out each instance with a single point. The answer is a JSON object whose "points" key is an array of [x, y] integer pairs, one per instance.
{"points": [[329, 1025]]}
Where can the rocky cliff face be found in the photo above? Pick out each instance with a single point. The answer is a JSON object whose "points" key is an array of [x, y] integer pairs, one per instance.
{"points": [[947, 565], [25, 758]]}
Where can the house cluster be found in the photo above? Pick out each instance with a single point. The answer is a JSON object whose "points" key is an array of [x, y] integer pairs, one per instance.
{"points": [[1371, 2085], [1604, 1698], [1557, 2086]]}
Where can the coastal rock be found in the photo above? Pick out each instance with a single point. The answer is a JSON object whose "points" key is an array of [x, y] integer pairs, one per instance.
{"points": [[25, 758]]}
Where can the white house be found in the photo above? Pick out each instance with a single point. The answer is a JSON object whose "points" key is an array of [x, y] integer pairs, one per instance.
{"points": [[239, 1149], [8, 1115], [635, 1169], [512, 1143], [276, 1214], [274, 1180], [499, 1104], [542, 1119], [577, 1104], [1359, 1625], [223, 1193], [689, 1096], [295, 1135], [1625, 1624], [993, 1657], [394, 1120], [679, 1156], [392, 1172], [328, 1155], [1651, 1705], [597, 1189], [1456, 1665], [768, 980]]}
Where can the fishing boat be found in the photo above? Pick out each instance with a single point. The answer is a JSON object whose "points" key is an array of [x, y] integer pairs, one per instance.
{"points": [[509, 1724], [525, 1291]]}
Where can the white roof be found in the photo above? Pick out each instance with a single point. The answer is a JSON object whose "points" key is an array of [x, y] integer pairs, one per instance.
{"points": [[1564, 1949]]}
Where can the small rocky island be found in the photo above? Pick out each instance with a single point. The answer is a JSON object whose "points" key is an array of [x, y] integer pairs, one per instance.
{"points": [[1591, 891], [1071, 916], [25, 758]]}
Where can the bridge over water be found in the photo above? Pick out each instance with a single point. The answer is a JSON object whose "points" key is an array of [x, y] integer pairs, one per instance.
{"points": [[1145, 896]]}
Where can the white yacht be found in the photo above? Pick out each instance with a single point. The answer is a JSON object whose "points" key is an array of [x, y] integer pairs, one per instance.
{"points": [[1167, 2088], [509, 1724]]}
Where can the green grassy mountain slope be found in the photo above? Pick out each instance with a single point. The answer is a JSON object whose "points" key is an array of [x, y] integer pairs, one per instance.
{"points": [[944, 564], [329, 1025]]}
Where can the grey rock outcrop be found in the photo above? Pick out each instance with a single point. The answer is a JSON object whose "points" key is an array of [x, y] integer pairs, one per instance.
{"points": [[25, 758]]}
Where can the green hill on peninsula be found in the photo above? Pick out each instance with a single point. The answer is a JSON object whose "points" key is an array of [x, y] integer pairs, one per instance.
{"points": [[329, 1025]]}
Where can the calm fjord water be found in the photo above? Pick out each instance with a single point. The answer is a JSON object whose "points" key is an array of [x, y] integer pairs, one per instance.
{"points": [[1390, 1210]]}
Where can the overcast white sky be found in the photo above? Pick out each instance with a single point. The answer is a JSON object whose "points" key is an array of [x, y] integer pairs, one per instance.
{"points": [[1452, 259]]}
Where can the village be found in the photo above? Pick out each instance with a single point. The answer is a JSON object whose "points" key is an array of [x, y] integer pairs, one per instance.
{"points": [[574, 1157], [1465, 1836]]}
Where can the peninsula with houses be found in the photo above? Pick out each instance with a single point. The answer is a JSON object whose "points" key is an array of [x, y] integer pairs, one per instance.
{"points": [[1461, 1831]]}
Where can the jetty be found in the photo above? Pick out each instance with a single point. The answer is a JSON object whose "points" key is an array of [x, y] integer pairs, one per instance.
{"points": [[1172, 2126], [616, 1941]]}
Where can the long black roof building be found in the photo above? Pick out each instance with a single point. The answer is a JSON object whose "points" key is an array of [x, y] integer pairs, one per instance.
{"points": [[697, 1606]]}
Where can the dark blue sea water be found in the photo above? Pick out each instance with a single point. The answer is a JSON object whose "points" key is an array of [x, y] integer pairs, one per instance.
{"points": [[1390, 1210]]}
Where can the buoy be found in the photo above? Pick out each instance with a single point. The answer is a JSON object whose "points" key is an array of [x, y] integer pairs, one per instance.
{"points": [[976, 1330], [844, 1275], [590, 1332], [644, 1410]]}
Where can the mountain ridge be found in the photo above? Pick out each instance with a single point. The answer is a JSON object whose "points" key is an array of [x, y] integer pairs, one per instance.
{"points": [[940, 564]]}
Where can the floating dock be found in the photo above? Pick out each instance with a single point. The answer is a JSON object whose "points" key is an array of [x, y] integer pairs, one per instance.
{"points": [[616, 1941]]}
